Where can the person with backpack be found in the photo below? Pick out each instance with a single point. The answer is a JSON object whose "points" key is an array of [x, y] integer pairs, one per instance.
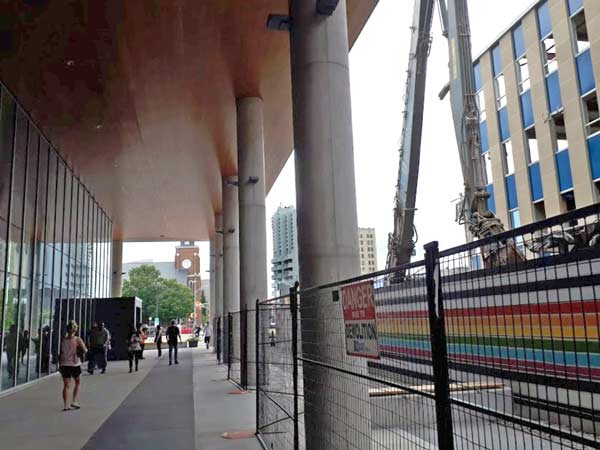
{"points": [[134, 348], [99, 339], [72, 350], [173, 334], [158, 339]]}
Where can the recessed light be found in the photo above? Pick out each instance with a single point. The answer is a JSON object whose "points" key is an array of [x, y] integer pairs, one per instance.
{"points": [[99, 126], [70, 62]]}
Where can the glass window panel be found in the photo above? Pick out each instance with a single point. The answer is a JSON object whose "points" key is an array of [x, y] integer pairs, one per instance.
{"points": [[575, 5], [60, 207], [487, 158], [68, 226], [523, 74], [591, 114], [477, 76], [18, 193], [29, 213], [11, 335], [496, 60], [481, 105], [544, 19], [532, 145], [559, 131], [519, 41], [500, 87], [46, 330], [549, 54], [24, 334], [581, 39], [507, 153], [7, 127]]}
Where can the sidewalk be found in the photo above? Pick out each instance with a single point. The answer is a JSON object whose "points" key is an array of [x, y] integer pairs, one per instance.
{"points": [[159, 407]]}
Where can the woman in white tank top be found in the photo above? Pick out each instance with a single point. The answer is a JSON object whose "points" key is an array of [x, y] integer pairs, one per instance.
{"points": [[71, 349]]}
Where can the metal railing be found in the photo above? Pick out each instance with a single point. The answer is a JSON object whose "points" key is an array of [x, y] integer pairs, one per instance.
{"points": [[461, 352]]}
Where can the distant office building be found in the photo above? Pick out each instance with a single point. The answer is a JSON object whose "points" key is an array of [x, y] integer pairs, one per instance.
{"points": [[284, 264], [538, 112], [367, 243]]}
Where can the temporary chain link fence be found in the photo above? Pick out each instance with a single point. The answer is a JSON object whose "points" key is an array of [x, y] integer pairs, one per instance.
{"points": [[491, 345]]}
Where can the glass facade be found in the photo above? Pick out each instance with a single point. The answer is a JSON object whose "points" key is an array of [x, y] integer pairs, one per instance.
{"points": [[55, 243]]}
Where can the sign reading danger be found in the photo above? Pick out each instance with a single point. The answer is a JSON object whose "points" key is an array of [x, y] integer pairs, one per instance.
{"points": [[358, 303]]}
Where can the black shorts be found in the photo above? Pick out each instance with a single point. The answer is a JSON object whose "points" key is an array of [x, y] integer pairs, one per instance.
{"points": [[206, 339], [70, 371]]}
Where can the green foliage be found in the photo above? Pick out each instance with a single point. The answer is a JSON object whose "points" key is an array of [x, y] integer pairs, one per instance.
{"points": [[204, 308], [168, 298]]}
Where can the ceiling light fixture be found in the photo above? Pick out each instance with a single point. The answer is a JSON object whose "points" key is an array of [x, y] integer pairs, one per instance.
{"points": [[279, 22]]}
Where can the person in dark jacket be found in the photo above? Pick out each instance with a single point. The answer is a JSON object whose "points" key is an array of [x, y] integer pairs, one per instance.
{"points": [[173, 334]]}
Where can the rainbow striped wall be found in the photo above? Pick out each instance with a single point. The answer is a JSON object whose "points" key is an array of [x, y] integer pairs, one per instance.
{"points": [[526, 327]]}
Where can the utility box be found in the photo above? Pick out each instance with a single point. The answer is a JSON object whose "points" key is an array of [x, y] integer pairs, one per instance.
{"points": [[119, 315]]}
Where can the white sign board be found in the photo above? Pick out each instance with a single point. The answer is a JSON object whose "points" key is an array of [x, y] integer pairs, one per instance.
{"points": [[358, 303]]}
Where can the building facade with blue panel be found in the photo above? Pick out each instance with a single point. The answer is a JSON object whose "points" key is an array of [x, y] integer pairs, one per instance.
{"points": [[551, 162]]}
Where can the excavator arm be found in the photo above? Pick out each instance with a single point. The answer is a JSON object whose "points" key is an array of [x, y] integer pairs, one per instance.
{"points": [[401, 242], [473, 210]]}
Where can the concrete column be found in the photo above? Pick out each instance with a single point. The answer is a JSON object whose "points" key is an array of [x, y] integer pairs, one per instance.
{"points": [[253, 227], [517, 137], [569, 85], [218, 285], [211, 284], [117, 269], [231, 253], [327, 222], [493, 124], [552, 199]]}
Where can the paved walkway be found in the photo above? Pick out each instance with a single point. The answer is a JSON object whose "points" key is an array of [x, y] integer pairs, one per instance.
{"points": [[185, 406]]}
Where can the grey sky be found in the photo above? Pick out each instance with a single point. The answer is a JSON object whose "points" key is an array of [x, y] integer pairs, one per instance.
{"points": [[378, 71]]}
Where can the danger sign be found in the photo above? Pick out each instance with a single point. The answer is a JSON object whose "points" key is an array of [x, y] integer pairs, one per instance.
{"points": [[358, 303]]}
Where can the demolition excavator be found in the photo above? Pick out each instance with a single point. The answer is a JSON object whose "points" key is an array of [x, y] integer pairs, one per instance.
{"points": [[472, 211]]}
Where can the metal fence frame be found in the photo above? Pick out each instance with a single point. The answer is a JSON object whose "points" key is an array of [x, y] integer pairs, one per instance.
{"points": [[444, 402]]}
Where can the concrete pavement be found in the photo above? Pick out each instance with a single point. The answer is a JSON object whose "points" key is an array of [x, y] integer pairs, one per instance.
{"points": [[159, 407]]}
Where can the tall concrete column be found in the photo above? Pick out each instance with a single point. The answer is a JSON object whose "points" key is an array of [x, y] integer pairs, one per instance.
{"points": [[211, 283], [231, 253], [327, 223], [253, 227], [218, 295], [117, 269]]}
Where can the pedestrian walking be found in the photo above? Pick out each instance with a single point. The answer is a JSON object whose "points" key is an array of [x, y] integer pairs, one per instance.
{"points": [[173, 334], [134, 348], [99, 339], [158, 339], [72, 350], [207, 334], [143, 336]]}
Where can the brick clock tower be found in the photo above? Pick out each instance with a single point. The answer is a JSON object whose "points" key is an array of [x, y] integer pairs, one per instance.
{"points": [[187, 257]]}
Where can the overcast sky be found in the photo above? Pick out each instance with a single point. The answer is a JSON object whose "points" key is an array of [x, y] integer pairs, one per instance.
{"points": [[378, 65]]}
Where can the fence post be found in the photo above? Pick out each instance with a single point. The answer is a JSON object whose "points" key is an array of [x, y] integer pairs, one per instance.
{"points": [[219, 339], [294, 318], [229, 344], [437, 328], [256, 331], [244, 347]]}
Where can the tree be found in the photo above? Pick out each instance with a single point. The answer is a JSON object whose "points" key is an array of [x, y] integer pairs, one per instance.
{"points": [[167, 298], [204, 308], [145, 282], [177, 300]]}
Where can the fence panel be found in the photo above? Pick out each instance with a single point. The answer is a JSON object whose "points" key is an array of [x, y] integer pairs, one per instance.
{"points": [[275, 387], [491, 345], [234, 361], [523, 337]]}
